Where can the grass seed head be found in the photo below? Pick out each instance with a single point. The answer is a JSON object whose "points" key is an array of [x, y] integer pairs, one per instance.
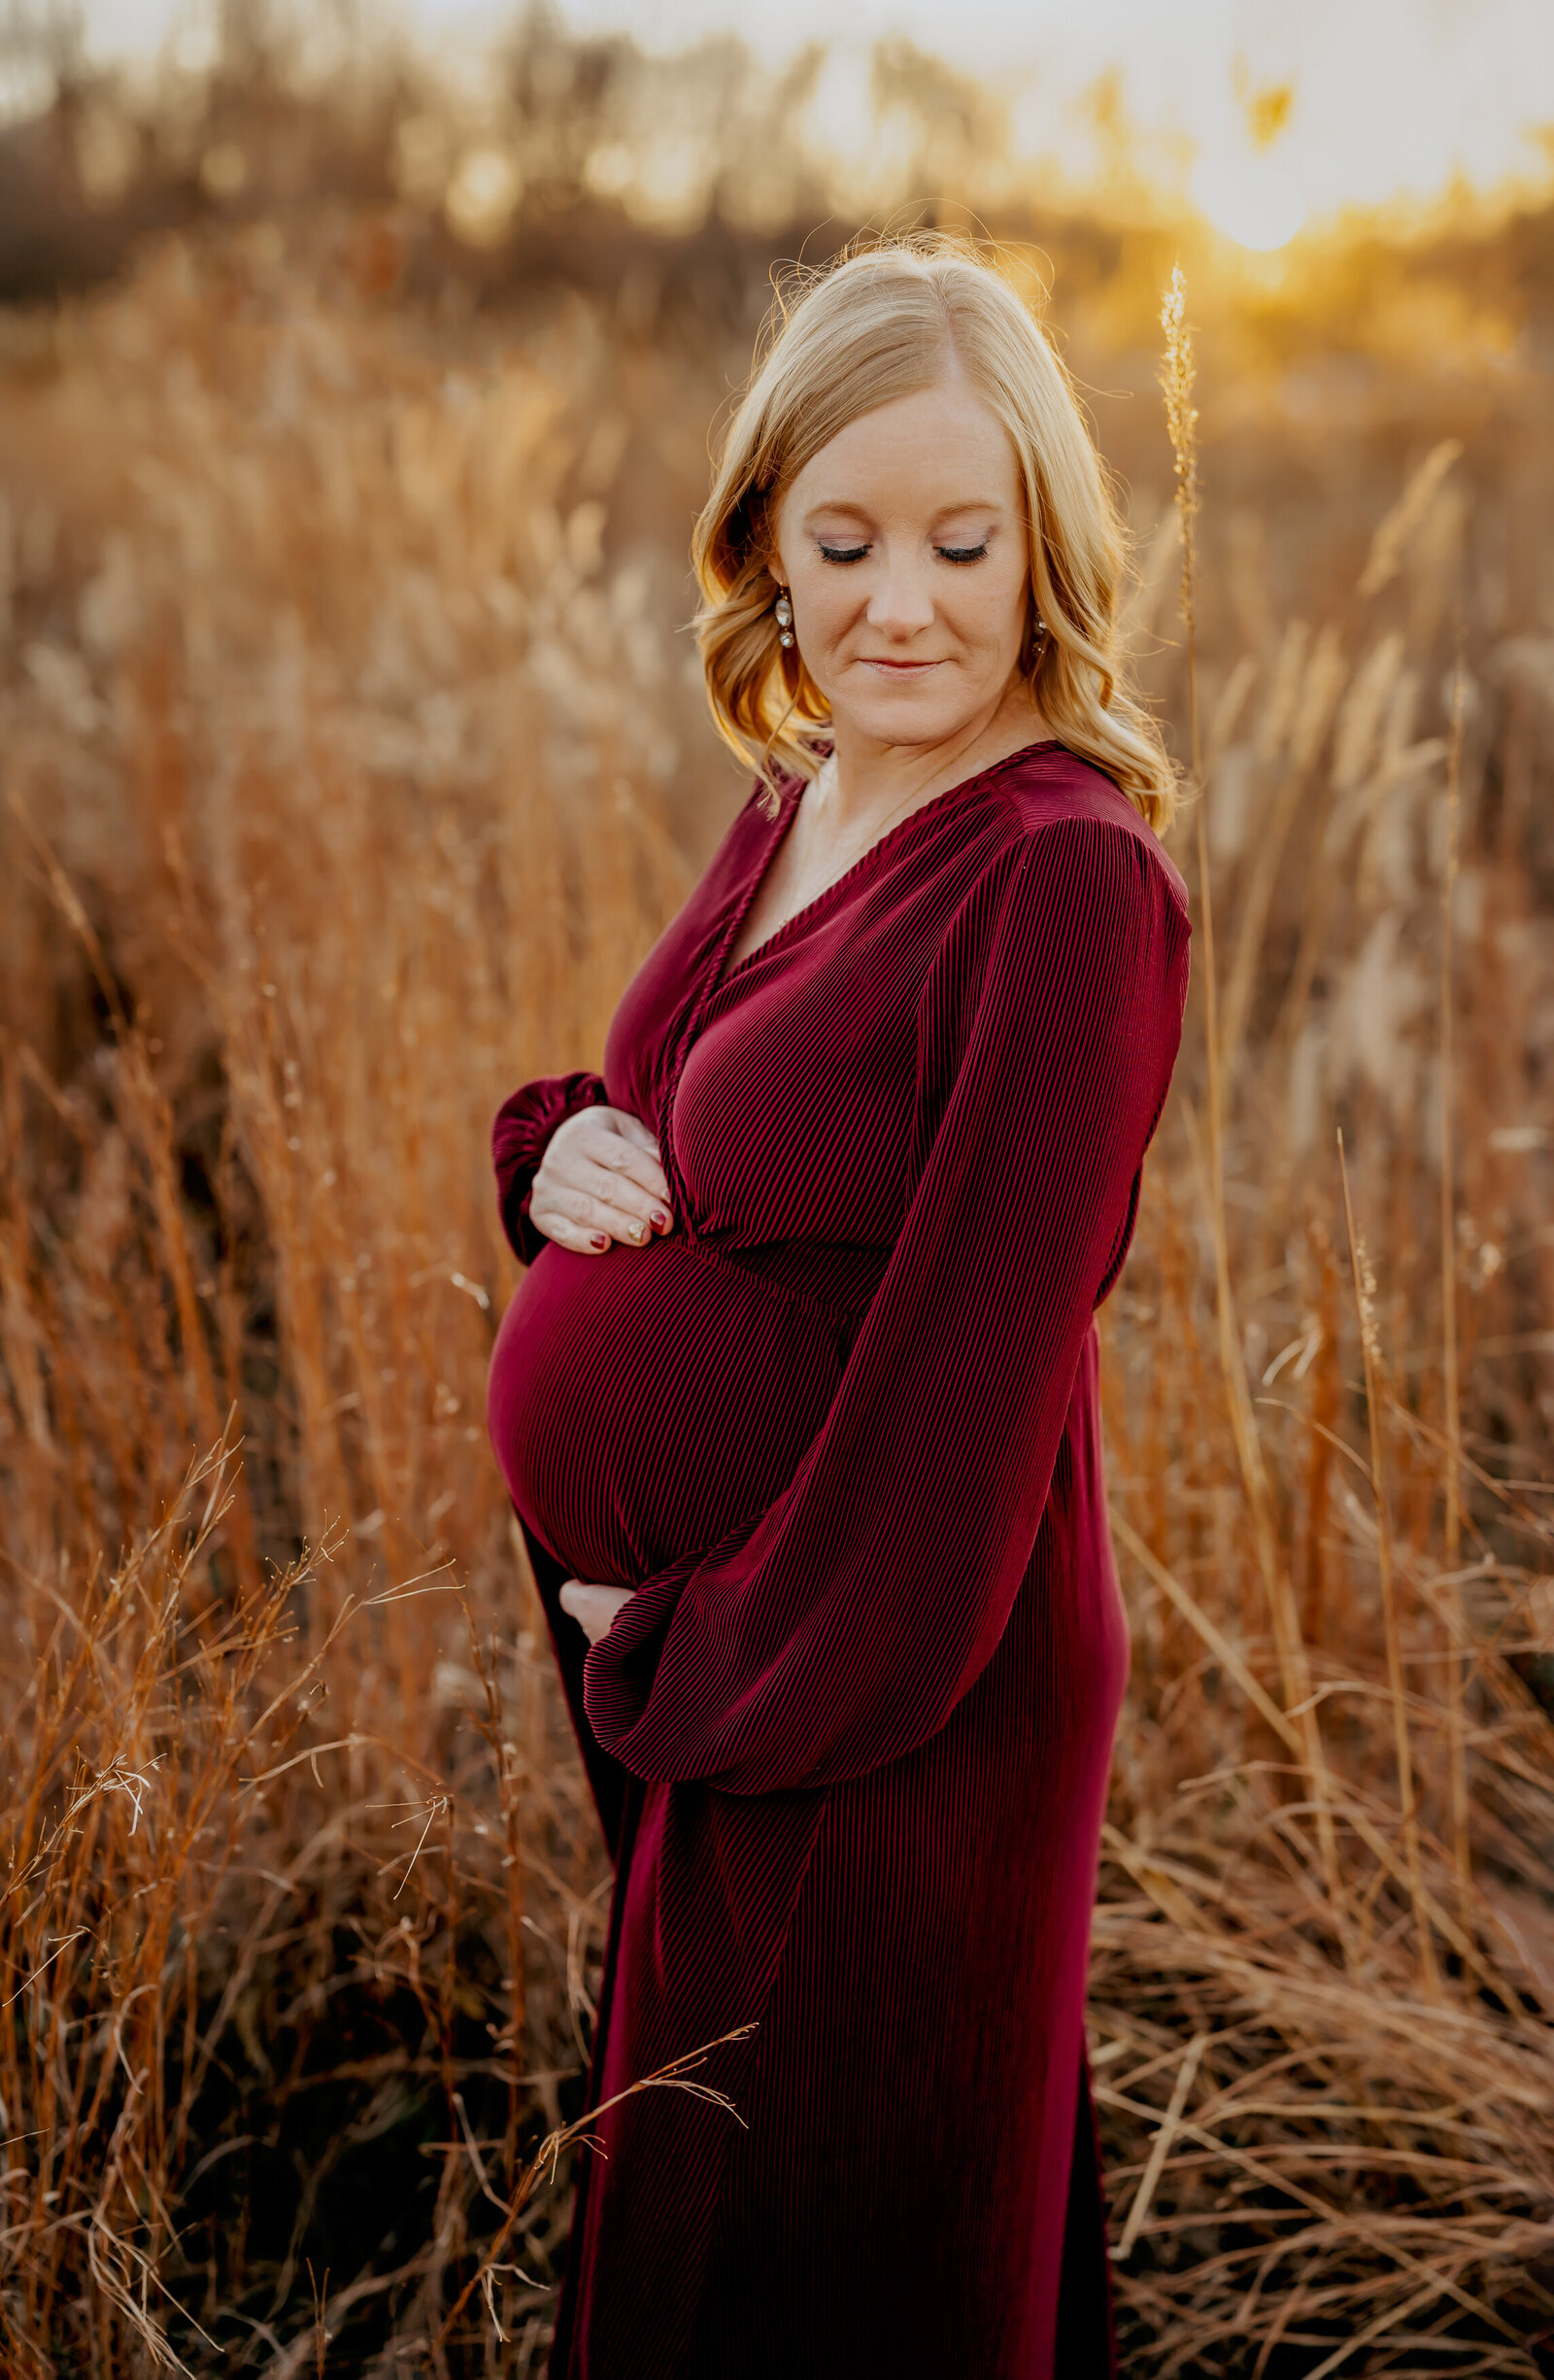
{"points": [[1181, 423]]}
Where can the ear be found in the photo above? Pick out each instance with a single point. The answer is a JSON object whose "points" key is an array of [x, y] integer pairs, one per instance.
{"points": [[763, 539]]}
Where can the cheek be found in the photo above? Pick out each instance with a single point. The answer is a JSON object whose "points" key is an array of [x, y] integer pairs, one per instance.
{"points": [[990, 613], [826, 606]]}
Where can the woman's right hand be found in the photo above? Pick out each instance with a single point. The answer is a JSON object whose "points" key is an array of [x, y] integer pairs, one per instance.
{"points": [[599, 1180]]}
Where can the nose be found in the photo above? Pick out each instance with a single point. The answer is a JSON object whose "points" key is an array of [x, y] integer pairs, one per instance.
{"points": [[901, 600]]}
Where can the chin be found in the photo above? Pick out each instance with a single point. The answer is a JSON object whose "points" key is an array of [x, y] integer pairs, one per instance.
{"points": [[908, 716]]}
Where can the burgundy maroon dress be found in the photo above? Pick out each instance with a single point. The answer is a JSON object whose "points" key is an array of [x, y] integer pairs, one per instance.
{"points": [[851, 1738]]}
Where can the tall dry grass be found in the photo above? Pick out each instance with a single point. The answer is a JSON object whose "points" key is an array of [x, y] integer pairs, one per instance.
{"points": [[295, 847], [350, 757]]}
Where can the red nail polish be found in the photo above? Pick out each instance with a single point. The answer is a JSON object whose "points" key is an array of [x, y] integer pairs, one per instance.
{"points": [[661, 1219], [599, 1239]]}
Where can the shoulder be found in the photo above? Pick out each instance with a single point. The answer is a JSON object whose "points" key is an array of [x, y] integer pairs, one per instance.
{"points": [[1062, 812], [1071, 891]]}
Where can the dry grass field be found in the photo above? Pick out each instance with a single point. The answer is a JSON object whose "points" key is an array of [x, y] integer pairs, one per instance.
{"points": [[352, 752]]}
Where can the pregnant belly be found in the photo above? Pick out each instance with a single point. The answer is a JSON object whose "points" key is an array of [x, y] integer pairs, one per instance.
{"points": [[644, 1401]]}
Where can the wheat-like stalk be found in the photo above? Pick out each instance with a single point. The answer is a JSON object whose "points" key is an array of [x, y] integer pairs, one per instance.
{"points": [[1181, 422], [1450, 1388], [1365, 1298]]}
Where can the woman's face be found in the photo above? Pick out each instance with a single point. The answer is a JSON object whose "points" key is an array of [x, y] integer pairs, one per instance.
{"points": [[904, 548]]}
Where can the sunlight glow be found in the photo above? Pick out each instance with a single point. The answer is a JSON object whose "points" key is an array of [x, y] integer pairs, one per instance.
{"points": [[1264, 119], [1254, 201]]}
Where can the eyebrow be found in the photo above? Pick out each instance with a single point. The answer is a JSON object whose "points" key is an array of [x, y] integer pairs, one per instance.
{"points": [[829, 507]]}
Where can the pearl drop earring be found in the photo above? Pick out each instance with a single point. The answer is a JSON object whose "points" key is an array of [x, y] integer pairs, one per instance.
{"points": [[784, 613]]}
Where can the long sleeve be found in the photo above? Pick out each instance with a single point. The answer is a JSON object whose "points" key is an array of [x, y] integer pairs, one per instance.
{"points": [[840, 1629], [524, 1124]]}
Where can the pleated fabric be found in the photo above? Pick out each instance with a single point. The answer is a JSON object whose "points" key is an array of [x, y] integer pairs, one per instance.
{"points": [[851, 1738]]}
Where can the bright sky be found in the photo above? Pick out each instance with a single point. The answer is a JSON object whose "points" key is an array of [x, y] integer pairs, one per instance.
{"points": [[1391, 97]]}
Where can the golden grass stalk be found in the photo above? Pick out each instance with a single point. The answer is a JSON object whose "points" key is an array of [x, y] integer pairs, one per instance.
{"points": [[1123, 2248], [1365, 1298], [1402, 522], [679, 2074], [1450, 1391], [1181, 424], [1181, 420]]}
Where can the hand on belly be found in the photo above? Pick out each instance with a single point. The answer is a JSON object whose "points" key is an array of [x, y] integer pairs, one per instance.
{"points": [[596, 1608], [600, 1181]]}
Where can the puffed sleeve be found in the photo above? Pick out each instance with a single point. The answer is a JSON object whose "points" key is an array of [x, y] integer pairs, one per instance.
{"points": [[522, 1126], [839, 1630]]}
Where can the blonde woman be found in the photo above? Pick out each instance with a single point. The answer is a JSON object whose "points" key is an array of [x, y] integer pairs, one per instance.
{"points": [[797, 1398]]}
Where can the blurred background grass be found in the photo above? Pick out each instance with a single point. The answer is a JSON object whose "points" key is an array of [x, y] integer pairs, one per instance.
{"points": [[353, 752]]}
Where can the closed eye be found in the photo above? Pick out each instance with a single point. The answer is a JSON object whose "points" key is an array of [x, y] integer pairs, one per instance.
{"points": [[843, 553], [962, 552]]}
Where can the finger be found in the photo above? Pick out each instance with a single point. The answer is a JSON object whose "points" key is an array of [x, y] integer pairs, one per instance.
{"points": [[596, 1608], [587, 1225], [594, 1214], [632, 1128], [578, 1601], [632, 1231], [615, 1154], [580, 1237], [583, 1588], [607, 1166], [617, 1188]]}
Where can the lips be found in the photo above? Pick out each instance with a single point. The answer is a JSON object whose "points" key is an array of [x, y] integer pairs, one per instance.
{"points": [[899, 669]]}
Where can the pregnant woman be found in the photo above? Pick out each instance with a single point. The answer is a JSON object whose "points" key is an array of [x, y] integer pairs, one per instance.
{"points": [[798, 1397]]}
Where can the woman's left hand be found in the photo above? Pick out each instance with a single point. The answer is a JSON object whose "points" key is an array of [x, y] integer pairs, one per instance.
{"points": [[596, 1608]]}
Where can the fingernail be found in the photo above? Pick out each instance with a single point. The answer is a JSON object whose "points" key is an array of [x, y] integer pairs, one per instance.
{"points": [[639, 1233], [598, 1240], [660, 1221]]}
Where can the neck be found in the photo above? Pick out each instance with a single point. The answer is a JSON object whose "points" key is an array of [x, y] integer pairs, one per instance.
{"points": [[871, 779]]}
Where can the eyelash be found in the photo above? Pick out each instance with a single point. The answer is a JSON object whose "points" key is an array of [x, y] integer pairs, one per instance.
{"points": [[946, 552]]}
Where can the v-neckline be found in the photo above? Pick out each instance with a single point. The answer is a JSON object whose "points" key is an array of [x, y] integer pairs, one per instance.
{"points": [[715, 981], [723, 976]]}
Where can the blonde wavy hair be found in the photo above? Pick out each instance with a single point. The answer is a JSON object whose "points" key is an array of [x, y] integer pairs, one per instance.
{"points": [[884, 321]]}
